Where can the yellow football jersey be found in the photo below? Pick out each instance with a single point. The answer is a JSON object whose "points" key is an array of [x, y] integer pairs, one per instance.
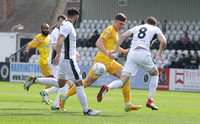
{"points": [[111, 37], [42, 43]]}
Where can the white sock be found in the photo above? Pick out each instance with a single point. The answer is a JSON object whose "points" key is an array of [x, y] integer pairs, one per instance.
{"points": [[47, 81], [127, 104], [65, 96], [115, 84], [52, 90], [82, 97], [61, 90], [152, 86]]}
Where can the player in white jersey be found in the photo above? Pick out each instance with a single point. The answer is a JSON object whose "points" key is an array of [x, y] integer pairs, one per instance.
{"points": [[139, 56], [68, 66], [51, 81]]}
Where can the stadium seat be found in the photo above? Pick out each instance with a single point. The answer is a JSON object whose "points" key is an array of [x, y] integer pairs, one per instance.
{"points": [[172, 27], [193, 23], [87, 54], [128, 22], [103, 26], [31, 60], [82, 25], [89, 21], [197, 27], [106, 21], [131, 25], [80, 63], [177, 37], [185, 52], [178, 27], [181, 22], [93, 54], [84, 21], [100, 21], [184, 27], [98, 26], [190, 27], [172, 51], [180, 32], [187, 22], [82, 53], [175, 22], [93, 26], [86, 63], [179, 52], [95, 21], [166, 51], [90, 62]]}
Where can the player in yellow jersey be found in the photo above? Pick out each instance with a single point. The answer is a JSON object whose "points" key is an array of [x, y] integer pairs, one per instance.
{"points": [[41, 41], [105, 43]]}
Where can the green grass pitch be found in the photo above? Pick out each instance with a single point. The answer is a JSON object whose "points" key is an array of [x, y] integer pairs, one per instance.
{"points": [[18, 106]]}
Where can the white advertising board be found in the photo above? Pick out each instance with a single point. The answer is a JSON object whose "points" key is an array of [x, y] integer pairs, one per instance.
{"points": [[184, 80]]}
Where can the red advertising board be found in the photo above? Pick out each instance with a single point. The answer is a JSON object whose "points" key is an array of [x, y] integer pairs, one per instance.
{"points": [[163, 81]]}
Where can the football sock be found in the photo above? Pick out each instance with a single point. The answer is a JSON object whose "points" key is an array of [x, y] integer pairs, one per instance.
{"points": [[82, 98], [127, 93], [61, 90], [47, 81], [72, 90], [152, 86], [127, 104], [51, 90], [47, 87], [115, 84]]}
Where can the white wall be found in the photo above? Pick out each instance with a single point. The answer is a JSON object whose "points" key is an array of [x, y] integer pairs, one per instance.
{"points": [[7, 45]]}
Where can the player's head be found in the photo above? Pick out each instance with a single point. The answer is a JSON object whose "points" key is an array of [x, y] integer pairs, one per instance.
{"points": [[60, 19], [45, 29], [73, 14], [151, 21], [120, 21]]}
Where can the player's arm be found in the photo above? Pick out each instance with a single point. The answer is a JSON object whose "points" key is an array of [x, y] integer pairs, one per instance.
{"points": [[59, 44], [125, 51], [54, 46], [121, 39], [101, 47], [163, 44], [31, 45]]}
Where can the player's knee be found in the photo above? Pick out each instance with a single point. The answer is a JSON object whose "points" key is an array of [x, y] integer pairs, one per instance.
{"points": [[154, 73]]}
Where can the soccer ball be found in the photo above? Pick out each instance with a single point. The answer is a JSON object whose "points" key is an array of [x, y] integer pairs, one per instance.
{"points": [[98, 69]]}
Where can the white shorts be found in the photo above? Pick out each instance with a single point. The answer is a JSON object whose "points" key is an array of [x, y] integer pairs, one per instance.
{"points": [[54, 70], [138, 58], [69, 70]]}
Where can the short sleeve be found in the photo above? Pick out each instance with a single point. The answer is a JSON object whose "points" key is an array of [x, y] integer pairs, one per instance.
{"points": [[105, 34], [65, 29], [54, 36], [34, 43]]}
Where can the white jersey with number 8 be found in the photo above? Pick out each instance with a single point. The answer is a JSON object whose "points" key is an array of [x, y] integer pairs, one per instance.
{"points": [[144, 35]]}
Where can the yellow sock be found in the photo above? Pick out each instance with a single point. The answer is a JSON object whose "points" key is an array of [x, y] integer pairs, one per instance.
{"points": [[47, 87], [127, 93], [72, 90]]}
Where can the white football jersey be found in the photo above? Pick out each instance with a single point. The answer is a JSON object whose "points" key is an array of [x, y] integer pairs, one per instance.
{"points": [[67, 30], [53, 39], [144, 35]]}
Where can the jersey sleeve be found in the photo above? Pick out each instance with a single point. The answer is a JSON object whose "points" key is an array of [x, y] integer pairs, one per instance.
{"points": [[106, 34], [158, 31], [54, 37], [34, 43], [64, 29]]}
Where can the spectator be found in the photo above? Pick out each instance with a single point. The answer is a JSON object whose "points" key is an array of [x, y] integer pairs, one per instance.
{"points": [[194, 62], [91, 42], [184, 42], [173, 61], [188, 60], [182, 61]]}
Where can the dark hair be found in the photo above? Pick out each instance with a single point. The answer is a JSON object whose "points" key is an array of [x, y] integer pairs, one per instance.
{"points": [[151, 20], [120, 17], [61, 16], [44, 24], [72, 12]]}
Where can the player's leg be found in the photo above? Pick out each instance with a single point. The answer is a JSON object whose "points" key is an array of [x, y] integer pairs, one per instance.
{"points": [[56, 105], [152, 89], [149, 66], [45, 69], [116, 70]]}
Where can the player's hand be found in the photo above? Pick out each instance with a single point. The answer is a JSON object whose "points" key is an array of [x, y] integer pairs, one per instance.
{"points": [[159, 55], [111, 54], [77, 54], [56, 60], [126, 51], [25, 52]]}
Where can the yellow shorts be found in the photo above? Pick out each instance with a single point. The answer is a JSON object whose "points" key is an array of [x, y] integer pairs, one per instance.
{"points": [[45, 70], [111, 68]]}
